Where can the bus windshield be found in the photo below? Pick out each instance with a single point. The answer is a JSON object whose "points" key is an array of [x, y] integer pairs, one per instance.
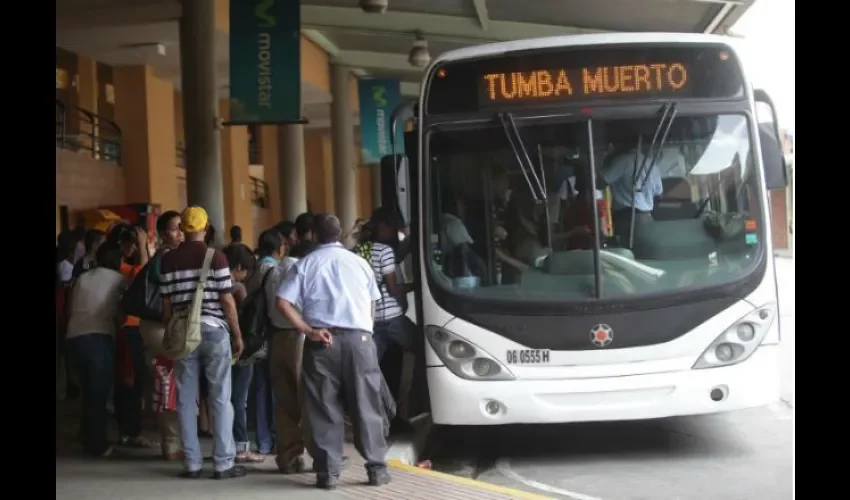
{"points": [[690, 218]]}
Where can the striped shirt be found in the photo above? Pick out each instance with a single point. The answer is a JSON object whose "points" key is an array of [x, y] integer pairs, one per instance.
{"points": [[383, 263], [179, 273]]}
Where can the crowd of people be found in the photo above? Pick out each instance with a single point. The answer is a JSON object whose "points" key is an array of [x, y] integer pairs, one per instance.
{"points": [[303, 320]]}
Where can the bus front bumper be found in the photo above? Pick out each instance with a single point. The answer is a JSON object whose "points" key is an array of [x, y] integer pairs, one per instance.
{"points": [[754, 382]]}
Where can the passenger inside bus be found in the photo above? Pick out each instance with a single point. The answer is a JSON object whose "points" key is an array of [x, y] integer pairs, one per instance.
{"points": [[694, 231]]}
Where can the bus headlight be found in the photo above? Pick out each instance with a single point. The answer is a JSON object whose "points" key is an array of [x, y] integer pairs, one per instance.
{"points": [[463, 358], [739, 341]]}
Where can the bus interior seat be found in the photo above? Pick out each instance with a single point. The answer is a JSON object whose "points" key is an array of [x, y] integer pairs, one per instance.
{"points": [[567, 272], [673, 240], [675, 202]]}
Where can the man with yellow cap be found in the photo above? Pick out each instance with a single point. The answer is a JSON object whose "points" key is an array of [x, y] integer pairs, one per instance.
{"points": [[179, 274]]}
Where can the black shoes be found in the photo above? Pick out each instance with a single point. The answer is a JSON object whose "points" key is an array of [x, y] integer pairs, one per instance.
{"points": [[191, 474], [327, 482], [296, 467], [379, 477], [233, 472]]}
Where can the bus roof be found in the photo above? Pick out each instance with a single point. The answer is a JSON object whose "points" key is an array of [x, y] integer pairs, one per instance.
{"points": [[493, 49]]}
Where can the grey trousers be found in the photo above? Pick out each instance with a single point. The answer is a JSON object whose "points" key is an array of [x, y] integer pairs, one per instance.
{"points": [[347, 369]]}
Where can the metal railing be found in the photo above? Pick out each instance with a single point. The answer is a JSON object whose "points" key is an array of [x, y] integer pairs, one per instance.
{"points": [[259, 192], [78, 129]]}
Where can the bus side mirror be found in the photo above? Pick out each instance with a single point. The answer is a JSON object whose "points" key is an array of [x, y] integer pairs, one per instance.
{"points": [[773, 157]]}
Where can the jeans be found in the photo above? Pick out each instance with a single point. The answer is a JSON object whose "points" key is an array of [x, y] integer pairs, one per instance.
{"points": [[213, 359], [398, 330], [128, 399], [241, 377], [93, 358], [264, 398]]}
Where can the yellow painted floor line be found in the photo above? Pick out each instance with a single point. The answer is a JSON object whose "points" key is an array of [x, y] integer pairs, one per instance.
{"points": [[397, 464]]}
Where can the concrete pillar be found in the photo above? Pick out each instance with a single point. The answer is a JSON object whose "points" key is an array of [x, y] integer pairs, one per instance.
{"points": [[270, 159], [200, 111], [292, 171], [342, 137], [235, 170], [376, 186]]}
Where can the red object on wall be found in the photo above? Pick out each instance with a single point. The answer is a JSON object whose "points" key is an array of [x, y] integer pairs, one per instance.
{"points": [[139, 214]]}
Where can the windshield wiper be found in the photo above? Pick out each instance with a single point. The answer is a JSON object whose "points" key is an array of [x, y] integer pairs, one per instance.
{"points": [[642, 174], [538, 190]]}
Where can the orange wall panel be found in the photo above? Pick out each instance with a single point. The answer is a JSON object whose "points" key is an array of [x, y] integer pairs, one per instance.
{"points": [[144, 110]]}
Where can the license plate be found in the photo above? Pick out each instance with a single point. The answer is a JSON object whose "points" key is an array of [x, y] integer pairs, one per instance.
{"points": [[527, 356]]}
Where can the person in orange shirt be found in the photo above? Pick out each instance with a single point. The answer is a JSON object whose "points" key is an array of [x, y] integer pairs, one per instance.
{"points": [[130, 365]]}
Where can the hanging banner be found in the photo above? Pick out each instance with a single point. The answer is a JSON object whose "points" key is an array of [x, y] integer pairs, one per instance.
{"points": [[379, 97], [265, 61]]}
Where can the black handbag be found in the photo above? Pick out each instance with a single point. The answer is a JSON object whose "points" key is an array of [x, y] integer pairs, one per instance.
{"points": [[142, 298]]}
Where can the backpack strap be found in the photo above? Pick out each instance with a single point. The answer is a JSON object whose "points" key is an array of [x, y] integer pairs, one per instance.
{"points": [[198, 299], [205, 269]]}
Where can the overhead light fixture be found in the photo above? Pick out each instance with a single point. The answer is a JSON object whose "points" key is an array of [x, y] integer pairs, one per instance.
{"points": [[419, 56], [374, 6]]}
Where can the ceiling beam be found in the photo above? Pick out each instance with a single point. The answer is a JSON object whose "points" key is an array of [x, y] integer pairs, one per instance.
{"points": [[716, 21], [385, 61], [432, 26], [481, 13], [72, 19]]}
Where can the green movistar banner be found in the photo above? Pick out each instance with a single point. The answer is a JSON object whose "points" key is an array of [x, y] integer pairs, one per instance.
{"points": [[265, 61]]}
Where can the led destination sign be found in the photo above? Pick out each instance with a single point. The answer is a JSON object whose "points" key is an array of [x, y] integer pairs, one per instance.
{"points": [[581, 75], [583, 83]]}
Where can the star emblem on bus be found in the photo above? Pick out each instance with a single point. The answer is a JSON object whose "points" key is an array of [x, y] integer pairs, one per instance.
{"points": [[601, 335]]}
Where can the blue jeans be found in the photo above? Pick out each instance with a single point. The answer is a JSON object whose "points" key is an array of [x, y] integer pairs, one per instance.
{"points": [[264, 398], [93, 357], [128, 400], [398, 330], [241, 377], [213, 359]]}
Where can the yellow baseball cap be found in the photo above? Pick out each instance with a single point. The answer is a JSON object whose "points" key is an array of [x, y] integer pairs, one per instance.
{"points": [[194, 220]]}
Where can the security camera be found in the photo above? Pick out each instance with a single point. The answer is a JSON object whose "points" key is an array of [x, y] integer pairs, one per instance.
{"points": [[419, 56], [374, 6]]}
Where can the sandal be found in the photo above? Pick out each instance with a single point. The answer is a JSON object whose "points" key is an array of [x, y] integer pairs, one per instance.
{"points": [[140, 442], [249, 457]]}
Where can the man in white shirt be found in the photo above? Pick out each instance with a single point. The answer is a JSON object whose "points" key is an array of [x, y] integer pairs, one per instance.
{"points": [[329, 296]]}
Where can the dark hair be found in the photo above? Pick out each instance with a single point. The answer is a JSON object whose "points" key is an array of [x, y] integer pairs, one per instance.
{"points": [[109, 256], [239, 255], [66, 244], [236, 233], [304, 223], [300, 250], [388, 216], [285, 228], [93, 236], [209, 238], [270, 242], [327, 228], [163, 220], [120, 233]]}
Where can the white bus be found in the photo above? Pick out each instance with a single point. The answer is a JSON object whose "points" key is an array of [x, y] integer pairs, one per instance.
{"points": [[592, 231]]}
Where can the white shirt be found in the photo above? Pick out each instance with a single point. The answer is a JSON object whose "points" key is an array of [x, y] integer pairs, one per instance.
{"points": [[333, 287], [277, 272], [95, 302], [454, 233], [65, 271]]}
